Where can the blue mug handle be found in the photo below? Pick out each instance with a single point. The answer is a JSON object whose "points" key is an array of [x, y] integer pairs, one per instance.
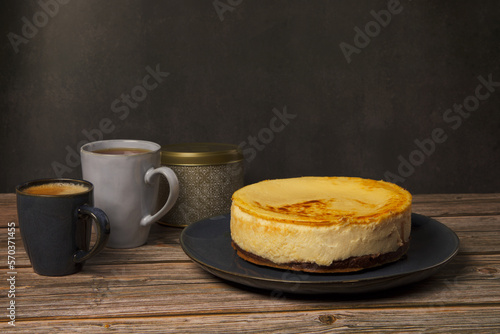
{"points": [[102, 232]]}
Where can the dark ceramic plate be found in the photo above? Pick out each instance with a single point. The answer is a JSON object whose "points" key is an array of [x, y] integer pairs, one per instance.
{"points": [[208, 243]]}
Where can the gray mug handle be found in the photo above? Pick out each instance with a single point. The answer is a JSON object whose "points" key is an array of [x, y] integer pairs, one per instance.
{"points": [[102, 231], [173, 184]]}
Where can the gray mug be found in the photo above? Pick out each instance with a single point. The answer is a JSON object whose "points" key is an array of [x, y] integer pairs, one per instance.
{"points": [[125, 174]]}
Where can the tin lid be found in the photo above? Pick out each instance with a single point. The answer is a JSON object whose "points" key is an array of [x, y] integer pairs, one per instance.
{"points": [[197, 154]]}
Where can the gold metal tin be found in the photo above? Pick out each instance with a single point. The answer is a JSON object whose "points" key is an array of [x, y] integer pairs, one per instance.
{"points": [[208, 173], [200, 154]]}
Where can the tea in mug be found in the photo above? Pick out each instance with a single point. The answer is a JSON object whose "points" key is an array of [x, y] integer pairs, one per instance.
{"points": [[121, 151]]}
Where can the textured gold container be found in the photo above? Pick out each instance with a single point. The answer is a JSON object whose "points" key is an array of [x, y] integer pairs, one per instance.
{"points": [[208, 173]]}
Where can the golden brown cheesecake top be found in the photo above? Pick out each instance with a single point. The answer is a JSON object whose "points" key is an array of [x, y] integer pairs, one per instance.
{"points": [[322, 200]]}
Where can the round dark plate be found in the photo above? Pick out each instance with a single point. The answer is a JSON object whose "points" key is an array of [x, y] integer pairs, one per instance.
{"points": [[208, 243]]}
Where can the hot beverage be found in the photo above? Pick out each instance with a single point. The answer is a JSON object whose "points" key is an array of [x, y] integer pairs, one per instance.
{"points": [[125, 175], [56, 217], [54, 189], [122, 151]]}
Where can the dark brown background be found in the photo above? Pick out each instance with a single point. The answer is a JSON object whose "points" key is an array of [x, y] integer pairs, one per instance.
{"points": [[227, 76]]}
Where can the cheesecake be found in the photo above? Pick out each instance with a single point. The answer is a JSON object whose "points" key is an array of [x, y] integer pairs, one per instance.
{"points": [[321, 224]]}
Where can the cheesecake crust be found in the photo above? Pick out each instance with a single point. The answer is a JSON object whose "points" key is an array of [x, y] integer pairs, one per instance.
{"points": [[351, 264]]}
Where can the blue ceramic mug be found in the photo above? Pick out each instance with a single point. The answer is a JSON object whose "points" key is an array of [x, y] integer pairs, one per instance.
{"points": [[55, 220]]}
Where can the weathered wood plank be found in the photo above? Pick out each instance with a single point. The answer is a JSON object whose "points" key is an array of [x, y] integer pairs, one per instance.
{"points": [[472, 223], [421, 198], [183, 288], [163, 244], [387, 320], [157, 288], [8, 209], [458, 208]]}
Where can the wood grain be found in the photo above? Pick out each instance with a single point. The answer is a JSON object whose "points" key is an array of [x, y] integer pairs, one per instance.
{"points": [[163, 243], [386, 320], [157, 288], [183, 288]]}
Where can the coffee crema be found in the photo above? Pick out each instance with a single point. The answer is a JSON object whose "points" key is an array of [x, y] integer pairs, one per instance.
{"points": [[122, 151], [56, 188]]}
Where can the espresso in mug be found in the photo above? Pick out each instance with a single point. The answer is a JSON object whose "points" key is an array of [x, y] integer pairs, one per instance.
{"points": [[54, 189], [56, 217], [122, 151]]}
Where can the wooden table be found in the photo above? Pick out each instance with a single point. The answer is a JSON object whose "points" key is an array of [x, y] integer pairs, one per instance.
{"points": [[156, 288]]}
